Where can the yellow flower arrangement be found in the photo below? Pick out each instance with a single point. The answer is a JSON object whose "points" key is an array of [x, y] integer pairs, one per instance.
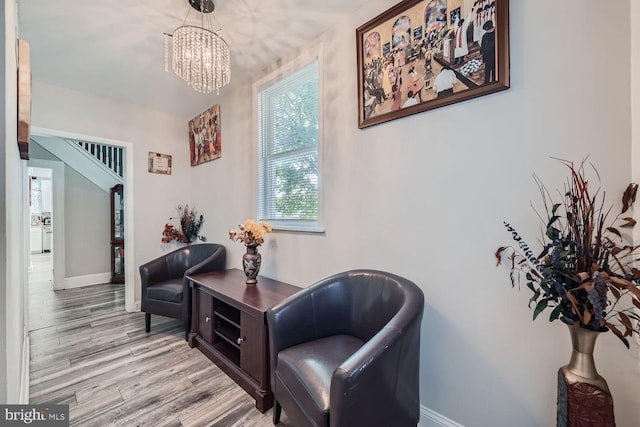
{"points": [[250, 233]]}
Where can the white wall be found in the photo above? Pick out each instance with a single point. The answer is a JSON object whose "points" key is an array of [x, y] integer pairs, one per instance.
{"points": [[13, 228], [635, 94], [88, 226], [425, 197], [5, 103]]}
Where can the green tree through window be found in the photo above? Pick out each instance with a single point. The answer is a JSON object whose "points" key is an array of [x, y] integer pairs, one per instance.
{"points": [[289, 129]]}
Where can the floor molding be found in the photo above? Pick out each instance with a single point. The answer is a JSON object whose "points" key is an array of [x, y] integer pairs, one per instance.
{"points": [[133, 307], [24, 370], [87, 280], [430, 418]]}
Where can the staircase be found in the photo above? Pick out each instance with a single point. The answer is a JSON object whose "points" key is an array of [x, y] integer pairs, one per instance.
{"points": [[100, 163], [108, 155]]}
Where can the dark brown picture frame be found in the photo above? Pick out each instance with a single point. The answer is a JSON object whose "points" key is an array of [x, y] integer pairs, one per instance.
{"points": [[205, 136], [24, 98], [394, 64]]}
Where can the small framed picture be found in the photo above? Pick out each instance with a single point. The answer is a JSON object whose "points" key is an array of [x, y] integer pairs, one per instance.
{"points": [[159, 163]]}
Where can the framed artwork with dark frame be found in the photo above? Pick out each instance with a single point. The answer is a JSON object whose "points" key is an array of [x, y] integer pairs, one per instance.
{"points": [[411, 58], [24, 98], [205, 136]]}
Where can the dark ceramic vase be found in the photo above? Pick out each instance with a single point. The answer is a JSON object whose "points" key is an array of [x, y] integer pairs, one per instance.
{"points": [[251, 264]]}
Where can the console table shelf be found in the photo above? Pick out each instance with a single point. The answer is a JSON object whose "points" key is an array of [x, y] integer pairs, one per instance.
{"points": [[231, 335], [229, 325]]}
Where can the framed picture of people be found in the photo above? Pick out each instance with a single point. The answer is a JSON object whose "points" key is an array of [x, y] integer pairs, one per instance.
{"points": [[205, 136], [403, 70]]}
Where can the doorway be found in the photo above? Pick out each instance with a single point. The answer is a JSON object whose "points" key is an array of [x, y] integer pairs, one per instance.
{"points": [[40, 279], [58, 243], [45, 209], [40, 210]]}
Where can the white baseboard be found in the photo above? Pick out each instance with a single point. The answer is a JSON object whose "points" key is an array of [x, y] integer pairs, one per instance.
{"points": [[89, 279], [135, 307], [430, 418], [24, 369]]}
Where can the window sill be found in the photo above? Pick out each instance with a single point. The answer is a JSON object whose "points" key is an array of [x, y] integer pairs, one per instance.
{"points": [[312, 230]]}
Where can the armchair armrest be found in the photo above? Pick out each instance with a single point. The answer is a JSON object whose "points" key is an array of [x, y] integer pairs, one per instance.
{"points": [[215, 262], [362, 382], [356, 381], [154, 271]]}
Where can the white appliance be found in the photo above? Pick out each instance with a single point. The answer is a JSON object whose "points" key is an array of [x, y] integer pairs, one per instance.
{"points": [[36, 239], [47, 236]]}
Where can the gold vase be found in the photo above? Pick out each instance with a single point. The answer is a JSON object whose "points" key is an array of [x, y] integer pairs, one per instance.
{"points": [[584, 398], [582, 367]]}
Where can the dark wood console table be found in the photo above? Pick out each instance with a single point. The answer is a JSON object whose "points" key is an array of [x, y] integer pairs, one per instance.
{"points": [[229, 325]]}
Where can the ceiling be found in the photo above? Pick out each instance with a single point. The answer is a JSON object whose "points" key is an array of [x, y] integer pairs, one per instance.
{"points": [[115, 48]]}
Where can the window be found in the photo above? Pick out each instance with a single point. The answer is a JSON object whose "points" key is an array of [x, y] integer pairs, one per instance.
{"points": [[289, 139]]}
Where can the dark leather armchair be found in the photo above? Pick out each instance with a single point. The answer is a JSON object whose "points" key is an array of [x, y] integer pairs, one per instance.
{"points": [[165, 291], [345, 352]]}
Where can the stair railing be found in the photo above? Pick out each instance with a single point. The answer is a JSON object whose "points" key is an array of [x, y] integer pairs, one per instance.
{"points": [[110, 156]]}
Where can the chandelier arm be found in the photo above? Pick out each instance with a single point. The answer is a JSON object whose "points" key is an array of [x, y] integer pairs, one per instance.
{"points": [[186, 16], [212, 20], [202, 14], [210, 27]]}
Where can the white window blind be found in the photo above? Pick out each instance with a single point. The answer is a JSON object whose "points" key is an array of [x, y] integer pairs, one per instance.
{"points": [[288, 131]]}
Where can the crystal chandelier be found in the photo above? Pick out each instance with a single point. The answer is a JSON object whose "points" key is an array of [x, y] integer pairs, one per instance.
{"points": [[200, 55]]}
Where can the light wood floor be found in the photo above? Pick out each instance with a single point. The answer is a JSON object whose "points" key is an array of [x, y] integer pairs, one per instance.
{"points": [[89, 353]]}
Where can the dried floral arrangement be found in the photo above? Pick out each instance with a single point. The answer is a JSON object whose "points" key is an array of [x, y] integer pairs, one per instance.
{"points": [[250, 233], [585, 272], [190, 224]]}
